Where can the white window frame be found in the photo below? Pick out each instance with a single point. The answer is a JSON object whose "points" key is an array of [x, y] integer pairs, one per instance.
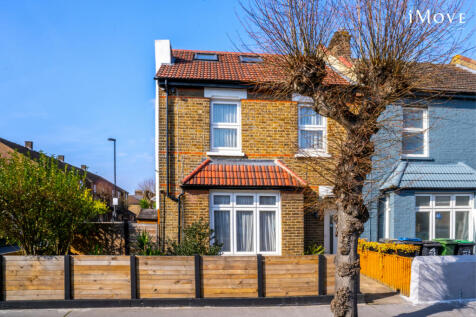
{"points": [[226, 150], [387, 217], [423, 130], [452, 208], [309, 127], [256, 209]]}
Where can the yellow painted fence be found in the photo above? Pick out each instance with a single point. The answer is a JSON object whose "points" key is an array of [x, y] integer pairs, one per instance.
{"points": [[390, 269]]}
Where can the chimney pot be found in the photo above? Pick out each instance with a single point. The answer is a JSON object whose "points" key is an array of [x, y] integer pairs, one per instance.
{"points": [[340, 44], [61, 158], [84, 167], [29, 145]]}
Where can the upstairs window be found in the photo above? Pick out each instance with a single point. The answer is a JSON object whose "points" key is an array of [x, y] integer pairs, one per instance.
{"points": [[415, 132], [225, 126], [206, 57], [250, 59], [312, 130]]}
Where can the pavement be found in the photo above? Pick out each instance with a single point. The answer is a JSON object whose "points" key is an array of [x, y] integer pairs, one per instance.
{"points": [[403, 309]]}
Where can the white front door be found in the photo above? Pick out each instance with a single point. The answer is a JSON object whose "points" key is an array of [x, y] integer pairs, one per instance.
{"points": [[330, 239]]}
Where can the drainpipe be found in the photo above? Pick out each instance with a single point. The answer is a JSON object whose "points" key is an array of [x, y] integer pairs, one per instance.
{"points": [[167, 159]]}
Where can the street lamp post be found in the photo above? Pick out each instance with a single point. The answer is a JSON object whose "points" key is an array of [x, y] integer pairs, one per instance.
{"points": [[115, 194]]}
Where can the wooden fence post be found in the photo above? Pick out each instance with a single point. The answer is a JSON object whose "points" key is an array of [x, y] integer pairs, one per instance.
{"points": [[67, 277], [198, 277], [322, 274], [133, 277], [259, 259]]}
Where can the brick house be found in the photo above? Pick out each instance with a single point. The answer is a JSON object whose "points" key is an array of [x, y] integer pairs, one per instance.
{"points": [[237, 157]]}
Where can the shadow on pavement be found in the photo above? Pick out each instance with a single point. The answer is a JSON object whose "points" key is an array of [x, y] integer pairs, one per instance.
{"points": [[434, 309]]}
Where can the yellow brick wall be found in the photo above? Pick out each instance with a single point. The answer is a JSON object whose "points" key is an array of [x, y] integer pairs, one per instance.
{"points": [[269, 131]]}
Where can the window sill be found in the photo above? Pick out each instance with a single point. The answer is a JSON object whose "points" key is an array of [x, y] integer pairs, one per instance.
{"points": [[312, 154], [226, 153], [416, 158]]}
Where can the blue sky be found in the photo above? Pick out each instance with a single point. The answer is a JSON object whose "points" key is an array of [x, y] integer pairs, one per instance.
{"points": [[73, 73]]}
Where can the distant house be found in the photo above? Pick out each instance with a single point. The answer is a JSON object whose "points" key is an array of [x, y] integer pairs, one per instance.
{"points": [[133, 202], [100, 187]]}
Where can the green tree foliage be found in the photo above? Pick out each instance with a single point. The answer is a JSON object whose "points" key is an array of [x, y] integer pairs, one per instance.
{"points": [[197, 239], [42, 206]]}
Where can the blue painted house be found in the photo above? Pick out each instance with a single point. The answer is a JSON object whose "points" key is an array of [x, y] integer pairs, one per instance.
{"points": [[424, 185]]}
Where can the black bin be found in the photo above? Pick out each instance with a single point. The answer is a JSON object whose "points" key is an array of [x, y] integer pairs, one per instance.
{"points": [[431, 248], [464, 247]]}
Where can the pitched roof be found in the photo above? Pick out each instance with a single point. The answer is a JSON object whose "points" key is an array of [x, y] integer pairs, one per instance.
{"points": [[35, 155], [427, 176], [147, 214], [229, 67], [243, 173]]}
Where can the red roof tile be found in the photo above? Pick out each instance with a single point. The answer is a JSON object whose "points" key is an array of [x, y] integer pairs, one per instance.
{"points": [[249, 173], [227, 68]]}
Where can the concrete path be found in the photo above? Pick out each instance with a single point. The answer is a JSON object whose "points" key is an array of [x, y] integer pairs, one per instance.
{"points": [[400, 310]]}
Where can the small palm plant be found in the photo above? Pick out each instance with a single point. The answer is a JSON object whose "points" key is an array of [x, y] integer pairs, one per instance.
{"points": [[314, 249]]}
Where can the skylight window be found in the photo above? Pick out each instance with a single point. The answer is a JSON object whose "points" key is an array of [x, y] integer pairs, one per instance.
{"points": [[206, 57], [250, 59]]}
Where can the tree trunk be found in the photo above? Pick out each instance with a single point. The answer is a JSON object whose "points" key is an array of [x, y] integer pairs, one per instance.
{"points": [[347, 267]]}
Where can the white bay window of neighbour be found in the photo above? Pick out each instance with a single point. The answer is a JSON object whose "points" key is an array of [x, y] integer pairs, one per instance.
{"points": [[246, 223], [443, 216], [225, 126], [415, 132]]}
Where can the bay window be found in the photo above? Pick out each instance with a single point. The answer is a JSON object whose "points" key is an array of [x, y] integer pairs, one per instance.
{"points": [[225, 126], [415, 132], [443, 216], [246, 222], [312, 130]]}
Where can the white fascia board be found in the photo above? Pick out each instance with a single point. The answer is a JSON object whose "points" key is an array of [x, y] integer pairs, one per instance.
{"points": [[225, 93]]}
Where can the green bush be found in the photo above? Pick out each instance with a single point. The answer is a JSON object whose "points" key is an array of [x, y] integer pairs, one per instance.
{"points": [[43, 207], [314, 249], [196, 240], [145, 245]]}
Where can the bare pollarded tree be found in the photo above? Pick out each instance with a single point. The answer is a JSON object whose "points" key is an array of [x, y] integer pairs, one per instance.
{"points": [[395, 47]]}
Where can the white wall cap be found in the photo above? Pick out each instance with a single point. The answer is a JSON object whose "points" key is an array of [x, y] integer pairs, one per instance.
{"points": [[225, 93], [326, 191], [163, 53]]}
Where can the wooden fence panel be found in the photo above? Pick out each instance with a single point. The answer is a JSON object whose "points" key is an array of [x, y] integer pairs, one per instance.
{"points": [[291, 275], [100, 277], [165, 276], [33, 277], [229, 276], [330, 274]]}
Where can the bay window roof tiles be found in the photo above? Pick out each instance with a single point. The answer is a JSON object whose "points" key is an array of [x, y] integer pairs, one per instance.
{"points": [[243, 173]]}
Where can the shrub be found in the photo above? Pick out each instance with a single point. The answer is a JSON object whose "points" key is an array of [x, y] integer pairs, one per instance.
{"points": [[314, 249], [43, 207], [389, 248], [145, 245], [196, 240]]}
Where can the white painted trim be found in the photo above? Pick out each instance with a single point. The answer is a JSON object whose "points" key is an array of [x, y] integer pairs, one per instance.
{"points": [[226, 153], [322, 127], [225, 93], [302, 99], [387, 217], [312, 153], [226, 150], [256, 208], [426, 145], [326, 191]]}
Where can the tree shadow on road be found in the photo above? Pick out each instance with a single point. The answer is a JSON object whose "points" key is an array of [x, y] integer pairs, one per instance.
{"points": [[434, 309]]}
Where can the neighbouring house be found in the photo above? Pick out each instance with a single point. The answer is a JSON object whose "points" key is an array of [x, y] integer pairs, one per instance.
{"points": [[133, 202], [100, 187], [428, 183], [147, 215], [239, 158]]}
